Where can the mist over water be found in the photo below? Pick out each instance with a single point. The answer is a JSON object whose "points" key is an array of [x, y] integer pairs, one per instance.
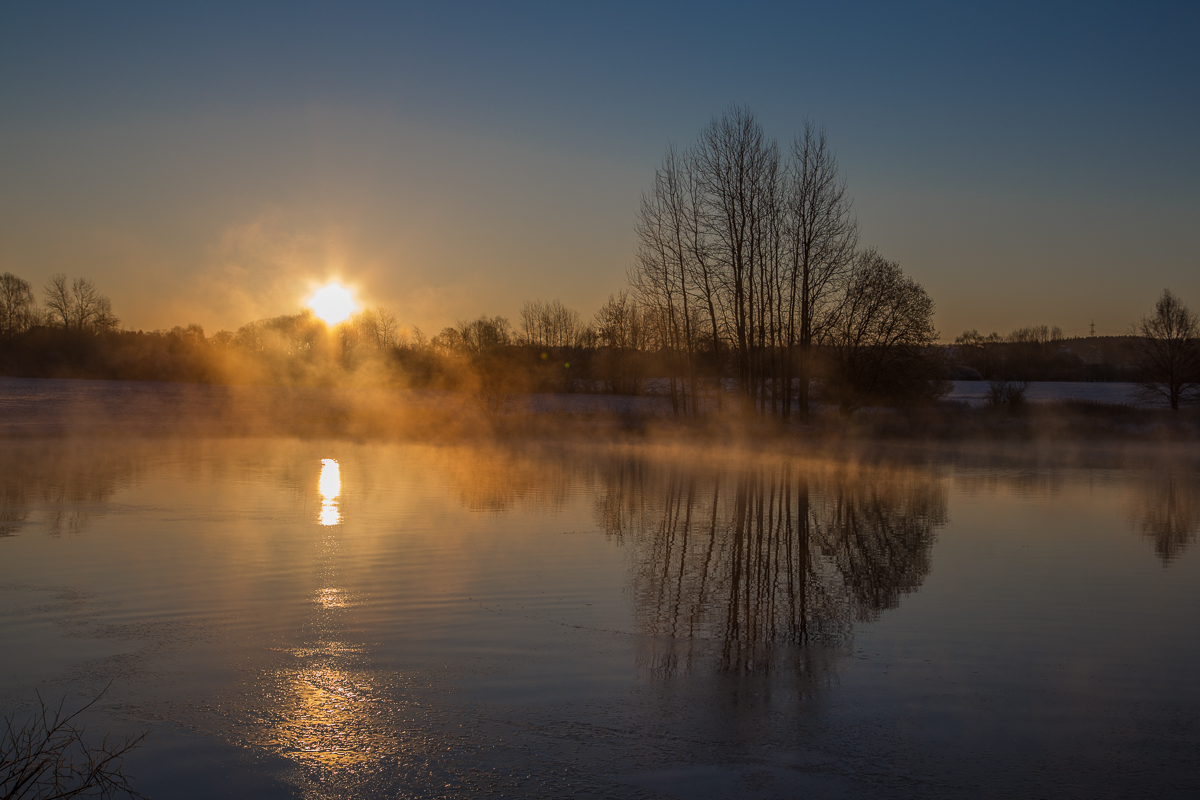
{"points": [[326, 618]]}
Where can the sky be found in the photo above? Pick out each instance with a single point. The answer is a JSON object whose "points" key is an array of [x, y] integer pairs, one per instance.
{"points": [[1027, 163]]}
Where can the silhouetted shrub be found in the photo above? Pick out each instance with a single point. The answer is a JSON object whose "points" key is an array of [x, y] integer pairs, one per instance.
{"points": [[1006, 393]]}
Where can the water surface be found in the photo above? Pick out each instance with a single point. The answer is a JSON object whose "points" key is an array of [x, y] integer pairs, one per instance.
{"points": [[334, 619]]}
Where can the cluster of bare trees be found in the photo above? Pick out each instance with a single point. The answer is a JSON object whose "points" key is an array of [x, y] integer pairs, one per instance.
{"points": [[547, 325], [623, 331], [371, 331], [552, 325], [748, 254], [72, 305], [478, 337], [78, 306]]}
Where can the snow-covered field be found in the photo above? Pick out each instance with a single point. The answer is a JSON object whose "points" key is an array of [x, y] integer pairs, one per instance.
{"points": [[975, 392]]}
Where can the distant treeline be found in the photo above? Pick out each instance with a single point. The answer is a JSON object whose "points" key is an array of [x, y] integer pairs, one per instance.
{"points": [[623, 349], [1042, 353]]}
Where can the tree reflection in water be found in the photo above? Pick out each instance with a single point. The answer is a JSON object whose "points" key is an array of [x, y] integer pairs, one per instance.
{"points": [[757, 564], [68, 482], [1167, 512]]}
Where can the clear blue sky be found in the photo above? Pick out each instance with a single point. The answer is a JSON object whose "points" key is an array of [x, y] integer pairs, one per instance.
{"points": [[1028, 163]]}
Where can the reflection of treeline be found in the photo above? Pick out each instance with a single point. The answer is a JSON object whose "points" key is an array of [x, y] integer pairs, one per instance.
{"points": [[1042, 353], [756, 558], [1167, 512], [70, 482], [1163, 506]]}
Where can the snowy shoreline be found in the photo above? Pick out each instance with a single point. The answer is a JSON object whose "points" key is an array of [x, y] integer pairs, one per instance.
{"points": [[33, 405]]}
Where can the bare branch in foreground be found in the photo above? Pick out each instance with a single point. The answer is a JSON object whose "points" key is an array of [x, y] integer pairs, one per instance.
{"points": [[46, 757]]}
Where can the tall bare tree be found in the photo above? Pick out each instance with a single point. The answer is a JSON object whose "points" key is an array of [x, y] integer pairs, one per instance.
{"points": [[1167, 352], [738, 169], [667, 253], [821, 238]]}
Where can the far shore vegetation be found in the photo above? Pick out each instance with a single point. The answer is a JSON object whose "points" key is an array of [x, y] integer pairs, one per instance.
{"points": [[752, 296], [488, 369]]}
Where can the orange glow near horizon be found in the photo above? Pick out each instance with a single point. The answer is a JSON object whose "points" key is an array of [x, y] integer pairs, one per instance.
{"points": [[333, 303]]}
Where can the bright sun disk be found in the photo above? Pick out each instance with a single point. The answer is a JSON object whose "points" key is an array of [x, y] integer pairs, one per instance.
{"points": [[332, 303]]}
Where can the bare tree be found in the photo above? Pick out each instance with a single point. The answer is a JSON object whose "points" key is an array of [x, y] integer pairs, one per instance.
{"points": [[18, 309], [387, 329], [619, 323], [79, 306], [376, 328], [1167, 352], [58, 300], [534, 323], [447, 341], [673, 274], [879, 342], [738, 169], [821, 237]]}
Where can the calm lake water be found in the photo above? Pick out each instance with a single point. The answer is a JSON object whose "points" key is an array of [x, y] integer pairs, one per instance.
{"points": [[333, 619]]}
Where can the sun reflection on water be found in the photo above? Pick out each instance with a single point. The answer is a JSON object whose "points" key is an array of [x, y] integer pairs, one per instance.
{"points": [[327, 712], [330, 597], [330, 486]]}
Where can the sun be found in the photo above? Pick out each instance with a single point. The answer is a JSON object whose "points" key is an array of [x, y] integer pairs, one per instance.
{"points": [[332, 303]]}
